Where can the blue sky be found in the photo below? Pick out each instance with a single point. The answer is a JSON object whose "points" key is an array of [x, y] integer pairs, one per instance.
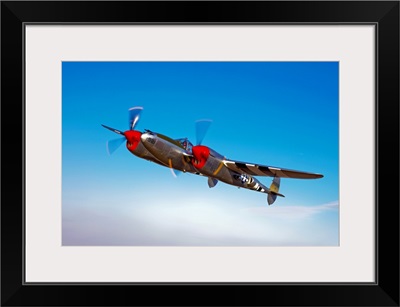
{"points": [[281, 114]]}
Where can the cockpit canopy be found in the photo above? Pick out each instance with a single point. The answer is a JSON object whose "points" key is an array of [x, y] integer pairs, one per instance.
{"points": [[186, 144]]}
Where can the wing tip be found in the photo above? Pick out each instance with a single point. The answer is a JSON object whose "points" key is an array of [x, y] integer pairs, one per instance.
{"points": [[307, 176]]}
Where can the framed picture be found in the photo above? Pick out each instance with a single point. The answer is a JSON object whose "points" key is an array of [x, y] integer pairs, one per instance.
{"points": [[284, 90]]}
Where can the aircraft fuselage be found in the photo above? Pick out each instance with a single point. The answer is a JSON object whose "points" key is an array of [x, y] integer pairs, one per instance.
{"points": [[211, 164], [168, 151]]}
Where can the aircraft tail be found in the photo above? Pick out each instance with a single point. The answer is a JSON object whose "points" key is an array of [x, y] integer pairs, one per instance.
{"points": [[274, 190]]}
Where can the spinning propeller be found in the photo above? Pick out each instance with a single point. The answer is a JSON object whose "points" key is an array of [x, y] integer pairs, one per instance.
{"points": [[202, 126], [131, 136]]}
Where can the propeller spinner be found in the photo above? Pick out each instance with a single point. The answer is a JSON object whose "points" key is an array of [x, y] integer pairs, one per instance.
{"points": [[131, 136], [200, 155], [200, 152]]}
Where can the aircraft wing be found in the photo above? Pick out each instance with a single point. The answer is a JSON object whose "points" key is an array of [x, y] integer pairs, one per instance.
{"points": [[271, 171]]}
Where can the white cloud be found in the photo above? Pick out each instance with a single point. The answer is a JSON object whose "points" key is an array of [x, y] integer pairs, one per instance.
{"points": [[295, 212], [202, 224]]}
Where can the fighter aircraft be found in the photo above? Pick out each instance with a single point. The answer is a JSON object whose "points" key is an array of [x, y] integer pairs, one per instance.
{"points": [[217, 168], [181, 155]]}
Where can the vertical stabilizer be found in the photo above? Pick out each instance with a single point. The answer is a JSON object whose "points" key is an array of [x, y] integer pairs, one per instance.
{"points": [[274, 190]]}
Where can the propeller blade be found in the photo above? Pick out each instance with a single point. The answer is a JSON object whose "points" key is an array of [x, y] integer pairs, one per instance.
{"points": [[113, 130], [174, 172], [114, 144], [202, 126], [134, 114]]}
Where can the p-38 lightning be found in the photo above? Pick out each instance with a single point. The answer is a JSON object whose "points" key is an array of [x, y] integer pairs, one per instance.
{"points": [[181, 155]]}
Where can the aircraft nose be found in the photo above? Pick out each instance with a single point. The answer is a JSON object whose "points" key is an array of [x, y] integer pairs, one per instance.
{"points": [[132, 138], [201, 154]]}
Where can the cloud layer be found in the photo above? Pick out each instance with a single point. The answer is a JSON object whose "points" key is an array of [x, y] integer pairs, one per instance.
{"points": [[202, 224]]}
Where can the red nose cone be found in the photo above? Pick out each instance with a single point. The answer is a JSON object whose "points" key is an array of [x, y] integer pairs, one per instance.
{"points": [[132, 139], [200, 154]]}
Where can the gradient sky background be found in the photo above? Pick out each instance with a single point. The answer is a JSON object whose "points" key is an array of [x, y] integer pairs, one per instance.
{"points": [[281, 114]]}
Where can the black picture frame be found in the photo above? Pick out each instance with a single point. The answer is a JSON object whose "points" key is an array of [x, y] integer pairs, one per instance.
{"points": [[383, 14]]}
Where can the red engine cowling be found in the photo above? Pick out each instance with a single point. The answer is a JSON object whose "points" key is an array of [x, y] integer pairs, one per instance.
{"points": [[200, 154], [132, 139]]}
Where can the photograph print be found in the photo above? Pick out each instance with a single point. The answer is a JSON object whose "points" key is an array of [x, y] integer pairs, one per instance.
{"points": [[200, 154]]}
